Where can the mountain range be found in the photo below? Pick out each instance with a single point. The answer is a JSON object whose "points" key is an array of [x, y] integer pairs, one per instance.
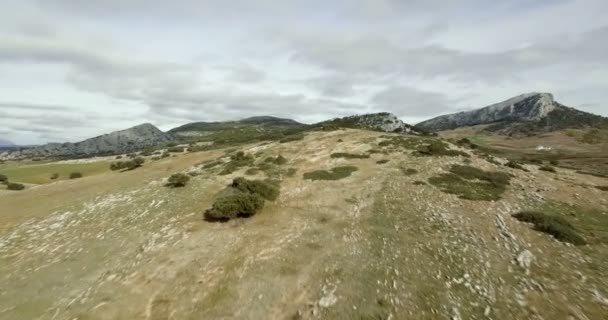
{"points": [[526, 114]]}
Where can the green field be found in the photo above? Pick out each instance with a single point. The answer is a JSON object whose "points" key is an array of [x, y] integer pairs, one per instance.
{"points": [[41, 173]]}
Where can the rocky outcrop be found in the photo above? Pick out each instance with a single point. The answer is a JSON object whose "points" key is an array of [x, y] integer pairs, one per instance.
{"points": [[384, 121], [122, 141]]}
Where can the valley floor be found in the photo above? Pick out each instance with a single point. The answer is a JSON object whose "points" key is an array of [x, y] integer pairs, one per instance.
{"points": [[375, 245]]}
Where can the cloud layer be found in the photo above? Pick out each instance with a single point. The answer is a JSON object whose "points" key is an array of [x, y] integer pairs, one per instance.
{"points": [[73, 69]]}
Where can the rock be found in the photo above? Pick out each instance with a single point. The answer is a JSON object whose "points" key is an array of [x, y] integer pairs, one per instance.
{"points": [[524, 259]]}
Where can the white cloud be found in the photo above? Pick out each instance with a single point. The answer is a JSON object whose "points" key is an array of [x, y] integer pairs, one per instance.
{"points": [[121, 63]]}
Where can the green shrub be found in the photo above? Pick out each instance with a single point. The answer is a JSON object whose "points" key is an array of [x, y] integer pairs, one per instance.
{"points": [[472, 183], [554, 162], [3, 178], [556, 226], [118, 157], [293, 137], [383, 161], [178, 180], [340, 140], [515, 165], [547, 168], [211, 164], [15, 186], [252, 171], [280, 160], [336, 173], [235, 205], [349, 155], [373, 151], [603, 188], [75, 175], [175, 149], [264, 189], [237, 161], [54, 176], [419, 183], [409, 171], [165, 155], [291, 172]]}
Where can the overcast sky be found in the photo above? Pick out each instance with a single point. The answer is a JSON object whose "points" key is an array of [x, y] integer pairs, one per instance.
{"points": [[72, 69]]}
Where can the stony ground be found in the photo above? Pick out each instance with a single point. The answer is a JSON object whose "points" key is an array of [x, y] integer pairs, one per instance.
{"points": [[371, 246]]}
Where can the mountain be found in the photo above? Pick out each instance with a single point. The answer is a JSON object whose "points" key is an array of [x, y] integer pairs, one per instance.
{"points": [[524, 114], [6, 144], [262, 123], [122, 141], [383, 121]]}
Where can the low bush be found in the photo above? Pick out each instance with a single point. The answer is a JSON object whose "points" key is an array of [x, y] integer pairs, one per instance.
{"points": [[472, 183], [265, 189], [554, 162], [178, 180], [409, 171], [175, 149], [54, 176], [349, 155], [279, 160], [291, 172], [237, 161], [118, 157], [383, 161], [238, 204], [127, 165], [556, 226], [603, 188], [336, 173], [15, 186], [75, 175], [293, 137], [547, 168], [515, 165], [243, 198], [419, 183], [211, 164], [165, 155], [3, 178], [252, 171]]}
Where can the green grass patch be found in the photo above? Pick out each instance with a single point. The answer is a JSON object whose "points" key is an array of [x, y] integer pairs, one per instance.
{"points": [[472, 183], [41, 173], [556, 226], [336, 173], [345, 155]]}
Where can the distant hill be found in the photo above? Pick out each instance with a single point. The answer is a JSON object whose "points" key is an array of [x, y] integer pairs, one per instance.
{"points": [[525, 114], [122, 141], [383, 121], [6, 144]]}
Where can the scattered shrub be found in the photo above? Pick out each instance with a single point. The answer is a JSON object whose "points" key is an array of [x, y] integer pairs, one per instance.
{"points": [[336, 173], [556, 226], [118, 157], [383, 161], [280, 160], [175, 149], [165, 155], [178, 180], [15, 186], [409, 171], [554, 162], [515, 165], [340, 140], [471, 183], [419, 183], [194, 173], [291, 172], [75, 175], [547, 168], [238, 204], [603, 188], [211, 164], [265, 189], [373, 151], [3, 178], [349, 155], [54, 176], [252, 171], [293, 137], [127, 165], [237, 161]]}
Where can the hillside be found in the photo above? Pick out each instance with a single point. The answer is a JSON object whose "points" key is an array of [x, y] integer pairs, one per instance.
{"points": [[123, 141], [526, 114], [6, 144], [365, 225]]}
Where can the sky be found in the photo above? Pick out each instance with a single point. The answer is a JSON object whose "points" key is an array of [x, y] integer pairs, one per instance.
{"points": [[72, 69]]}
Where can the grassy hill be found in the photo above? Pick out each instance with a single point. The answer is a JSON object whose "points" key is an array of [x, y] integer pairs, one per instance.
{"points": [[366, 225]]}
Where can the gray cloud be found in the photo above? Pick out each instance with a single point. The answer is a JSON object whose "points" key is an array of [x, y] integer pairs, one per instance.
{"points": [[406, 101]]}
